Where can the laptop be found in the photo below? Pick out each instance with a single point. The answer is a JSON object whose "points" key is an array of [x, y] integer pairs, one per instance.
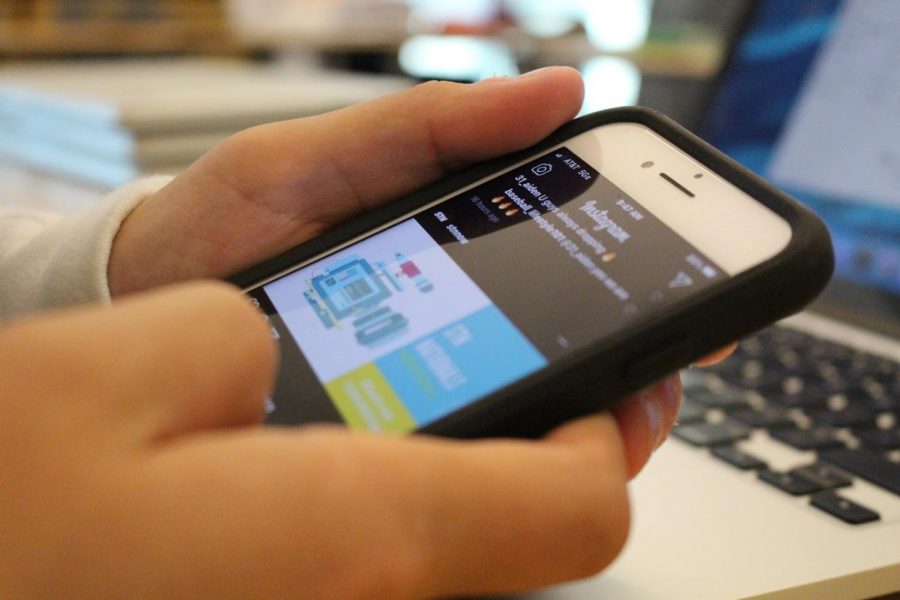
{"points": [[783, 477]]}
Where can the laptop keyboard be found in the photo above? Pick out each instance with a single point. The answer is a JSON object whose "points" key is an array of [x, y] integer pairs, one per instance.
{"points": [[836, 403]]}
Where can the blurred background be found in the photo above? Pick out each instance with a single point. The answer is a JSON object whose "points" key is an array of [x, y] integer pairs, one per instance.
{"points": [[96, 92]]}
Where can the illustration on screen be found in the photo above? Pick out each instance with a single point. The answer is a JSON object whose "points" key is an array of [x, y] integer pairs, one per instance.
{"points": [[351, 290]]}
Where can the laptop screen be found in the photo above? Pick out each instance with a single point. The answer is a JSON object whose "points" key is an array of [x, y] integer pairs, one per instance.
{"points": [[810, 99]]}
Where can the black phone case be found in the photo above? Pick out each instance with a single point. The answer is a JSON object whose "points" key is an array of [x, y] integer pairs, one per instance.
{"points": [[591, 379]]}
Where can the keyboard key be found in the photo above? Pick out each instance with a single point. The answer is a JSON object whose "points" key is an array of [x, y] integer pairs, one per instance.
{"points": [[816, 438], [859, 363], [843, 509], [738, 458], [751, 347], [879, 439], [698, 379], [737, 371], [871, 395], [795, 393], [725, 399], [770, 417], [711, 434], [868, 465], [760, 379], [788, 482], [888, 403], [851, 416], [883, 368], [787, 358], [823, 475], [691, 412]]}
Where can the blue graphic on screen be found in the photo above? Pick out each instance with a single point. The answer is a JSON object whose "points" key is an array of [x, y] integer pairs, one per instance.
{"points": [[440, 373]]}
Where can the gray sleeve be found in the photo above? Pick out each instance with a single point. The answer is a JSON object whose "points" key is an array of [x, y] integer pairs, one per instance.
{"points": [[50, 262]]}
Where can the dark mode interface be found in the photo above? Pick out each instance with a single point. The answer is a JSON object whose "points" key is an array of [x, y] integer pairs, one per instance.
{"points": [[420, 319]]}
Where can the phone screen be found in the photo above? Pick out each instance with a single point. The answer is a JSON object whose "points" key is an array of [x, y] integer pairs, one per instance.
{"points": [[406, 326]]}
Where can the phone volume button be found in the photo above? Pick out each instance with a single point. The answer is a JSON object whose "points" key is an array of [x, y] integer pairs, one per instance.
{"points": [[659, 362]]}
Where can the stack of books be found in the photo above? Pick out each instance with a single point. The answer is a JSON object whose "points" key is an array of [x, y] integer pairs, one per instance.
{"points": [[102, 124]]}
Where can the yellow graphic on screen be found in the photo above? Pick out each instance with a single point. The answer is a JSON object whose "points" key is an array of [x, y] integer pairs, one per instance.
{"points": [[367, 402]]}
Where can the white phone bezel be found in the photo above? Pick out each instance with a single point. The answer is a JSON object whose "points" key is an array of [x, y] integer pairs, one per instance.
{"points": [[720, 220]]}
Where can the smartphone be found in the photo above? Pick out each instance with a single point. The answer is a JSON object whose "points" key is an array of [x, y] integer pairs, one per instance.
{"points": [[536, 288]]}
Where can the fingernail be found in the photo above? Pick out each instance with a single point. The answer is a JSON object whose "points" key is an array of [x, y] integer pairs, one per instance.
{"points": [[654, 413], [671, 395], [534, 73]]}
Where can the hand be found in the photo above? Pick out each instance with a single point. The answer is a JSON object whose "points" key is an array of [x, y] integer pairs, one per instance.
{"points": [[148, 464], [131, 467], [272, 187]]}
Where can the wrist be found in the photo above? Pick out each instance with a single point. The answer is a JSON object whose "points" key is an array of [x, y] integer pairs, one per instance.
{"points": [[133, 252]]}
